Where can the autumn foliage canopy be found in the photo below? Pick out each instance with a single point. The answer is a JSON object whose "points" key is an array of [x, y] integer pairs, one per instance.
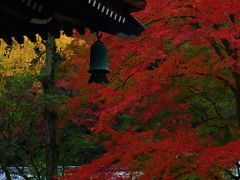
{"points": [[148, 113]]}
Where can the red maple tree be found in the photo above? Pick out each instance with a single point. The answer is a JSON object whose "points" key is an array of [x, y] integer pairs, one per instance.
{"points": [[145, 84]]}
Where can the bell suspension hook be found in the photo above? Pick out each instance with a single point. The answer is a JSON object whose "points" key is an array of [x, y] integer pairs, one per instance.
{"points": [[99, 36]]}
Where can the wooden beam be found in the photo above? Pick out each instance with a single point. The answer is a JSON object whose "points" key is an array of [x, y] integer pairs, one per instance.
{"points": [[136, 4]]}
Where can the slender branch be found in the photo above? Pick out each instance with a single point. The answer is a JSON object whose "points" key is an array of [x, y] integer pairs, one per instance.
{"points": [[20, 171], [216, 48], [227, 83], [231, 174], [35, 168], [238, 169], [125, 81], [161, 19], [7, 174], [209, 100]]}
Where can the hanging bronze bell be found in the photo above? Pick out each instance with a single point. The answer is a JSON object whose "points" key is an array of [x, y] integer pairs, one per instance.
{"points": [[98, 63]]}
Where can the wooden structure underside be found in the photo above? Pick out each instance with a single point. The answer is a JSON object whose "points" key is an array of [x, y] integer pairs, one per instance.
{"points": [[30, 17]]}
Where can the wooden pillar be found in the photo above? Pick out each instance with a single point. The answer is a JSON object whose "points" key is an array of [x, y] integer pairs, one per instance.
{"points": [[49, 114]]}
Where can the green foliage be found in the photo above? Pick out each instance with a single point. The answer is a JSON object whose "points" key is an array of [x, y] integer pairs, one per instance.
{"points": [[75, 149], [123, 122], [19, 110], [22, 104], [222, 131]]}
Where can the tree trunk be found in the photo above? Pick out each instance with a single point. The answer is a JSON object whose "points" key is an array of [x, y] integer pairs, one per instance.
{"points": [[7, 174], [237, 94], [49, 114]]}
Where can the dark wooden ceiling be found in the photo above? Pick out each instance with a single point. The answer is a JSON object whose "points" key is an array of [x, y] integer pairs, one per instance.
{"points": [[30, 17]]}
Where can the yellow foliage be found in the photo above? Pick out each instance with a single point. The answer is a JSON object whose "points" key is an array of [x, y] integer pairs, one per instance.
{"points": [[62, 42], [20, 59], [17, 59]]}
